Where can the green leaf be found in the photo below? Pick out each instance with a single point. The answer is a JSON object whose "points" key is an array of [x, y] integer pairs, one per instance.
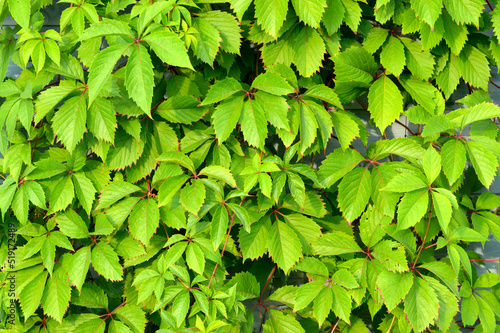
{"points": [[133, 316], [284, 246], [46, 168], [487, 200], [272, 83], [220, 173], [69, 122], [442, 207], [454, 34], [101, 119], [444, 272], [355, 64], [371, 226], [352, 14], [484, 162], [56, 295], [418, 61], [79, 266], [195, 258], [105, 262], [394, 287], [346, 128], [393, 259], [85, 191], [169, 48], [337, 164], [310, 11], [322, 305], [405, 182], [218, 229], [207, 41], [280, 322], [21, 12], [448, 304], [62, 195], [253, 243], [72, 225], [193, 196], [228, 28], [393, 56], [342, 303], [221, 90], [181, 109], [421, 305], [240, 7], [35, 193], [307, 293], [354, 193], [431, 164], [139, 77], [479, 112], [275, 108], [474, 67], [169, 188], [226, 116], [324, 93], [253, 124], [427, 10], [449, 78], [102, 66], [385, 102], [334, 244], [177, 158], [107, 27], [144, 220], [334, 15], [308, 51], [412, 208], [375, 39], [115, 191], [32, 292], [91, 296], [465, 11], [271, 14], [422, 92], [20, 204]]}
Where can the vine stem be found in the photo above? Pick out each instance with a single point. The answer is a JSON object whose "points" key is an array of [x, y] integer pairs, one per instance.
{"points": [[425, 236], [225, 244], [494, 84], [392, 323], [267, 282], [483, 259], [335, 326]]}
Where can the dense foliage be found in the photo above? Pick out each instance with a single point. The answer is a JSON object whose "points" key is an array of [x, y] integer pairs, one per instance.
{"points": [[154, 175]]}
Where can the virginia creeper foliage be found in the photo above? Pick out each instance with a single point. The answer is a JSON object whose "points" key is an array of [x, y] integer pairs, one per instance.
{"points": [[197, 166]]}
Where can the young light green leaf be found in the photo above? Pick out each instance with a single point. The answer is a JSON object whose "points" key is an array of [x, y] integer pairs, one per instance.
{"points": [[193, 196], [115, 191], [334, 244], [102, 66], [284, 246], [272, 83], [106, 263], [354, 193], [385, 102], [412, 208], [139, 77], [271, 15], [421, 305], [431, 164], [144, 220], [69, 121]]}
